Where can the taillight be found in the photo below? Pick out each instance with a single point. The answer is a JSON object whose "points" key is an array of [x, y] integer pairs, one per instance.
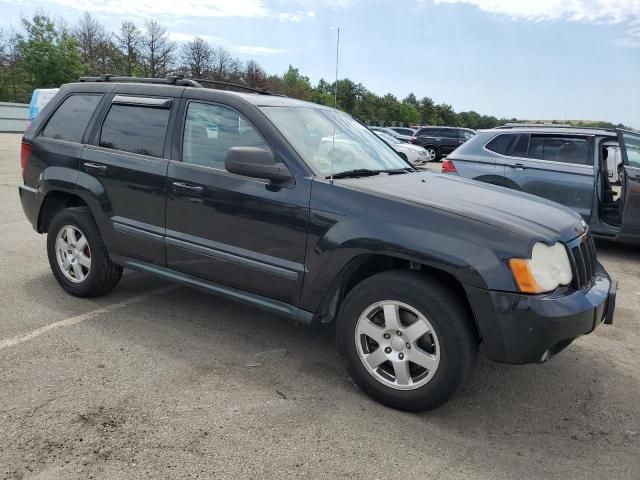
{"points": [[25, 153], [448, 166], [413, 140]]}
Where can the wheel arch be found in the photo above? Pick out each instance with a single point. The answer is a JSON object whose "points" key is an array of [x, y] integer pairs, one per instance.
{"points": [[54, 202], [367, 265], [499, 180]]}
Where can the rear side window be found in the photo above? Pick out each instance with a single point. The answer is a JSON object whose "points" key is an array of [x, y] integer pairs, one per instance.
{"points": [[71, 119], [135, 129], [448, 133], [521, 147], [502, 143], [559, 149]]}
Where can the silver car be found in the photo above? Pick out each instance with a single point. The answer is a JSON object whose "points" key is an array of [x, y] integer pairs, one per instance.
{"points": [[596, 172]]}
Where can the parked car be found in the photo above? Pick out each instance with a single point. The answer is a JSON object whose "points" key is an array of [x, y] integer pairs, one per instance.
{"points": [[405, 131], [39, 98], [413, 153], [393, 133], [233, 194], [440, 141], [577, 167]]}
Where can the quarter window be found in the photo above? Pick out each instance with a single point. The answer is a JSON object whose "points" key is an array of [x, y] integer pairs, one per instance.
{"points": [[502, 143], [71, 119], [135, 129], [211, 130], [559, 149]]}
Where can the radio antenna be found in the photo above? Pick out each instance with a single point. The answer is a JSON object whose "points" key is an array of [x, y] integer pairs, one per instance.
{"points": [[335, 104]]}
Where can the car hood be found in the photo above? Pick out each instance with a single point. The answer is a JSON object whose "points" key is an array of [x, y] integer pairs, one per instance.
{"points": [[517, 212]]}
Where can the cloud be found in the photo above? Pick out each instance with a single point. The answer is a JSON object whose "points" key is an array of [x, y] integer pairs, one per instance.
{"points": [[182, 8], [252, 50], [608, 11], [624, 12]]}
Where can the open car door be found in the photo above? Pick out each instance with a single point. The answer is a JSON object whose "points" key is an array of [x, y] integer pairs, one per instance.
{"points": [[630, 147]]}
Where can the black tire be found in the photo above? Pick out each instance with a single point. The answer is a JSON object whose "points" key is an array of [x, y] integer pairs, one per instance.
{"points": [[444, 309], [103, 274]]}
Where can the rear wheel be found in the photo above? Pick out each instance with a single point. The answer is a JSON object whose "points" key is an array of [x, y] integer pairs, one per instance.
{"points": [[77, 255], [406, 340], [432, 153]]}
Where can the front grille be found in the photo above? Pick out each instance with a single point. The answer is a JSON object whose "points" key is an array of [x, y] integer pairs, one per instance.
{"points": [[583, 261]]}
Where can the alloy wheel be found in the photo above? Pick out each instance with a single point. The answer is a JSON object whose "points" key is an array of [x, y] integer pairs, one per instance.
{"points": [[73, 253], [397, 345]]}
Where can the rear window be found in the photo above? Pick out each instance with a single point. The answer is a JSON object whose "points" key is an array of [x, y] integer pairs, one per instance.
{"points": [[502, 143], [559, 149], [71, 119], [135, 129]]}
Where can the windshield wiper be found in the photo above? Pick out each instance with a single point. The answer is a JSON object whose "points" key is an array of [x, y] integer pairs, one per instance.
{"points": [[365, 172], [358, 172]]}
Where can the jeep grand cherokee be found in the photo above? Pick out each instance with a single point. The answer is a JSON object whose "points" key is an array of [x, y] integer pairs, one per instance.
{"points": [[241, 195]]}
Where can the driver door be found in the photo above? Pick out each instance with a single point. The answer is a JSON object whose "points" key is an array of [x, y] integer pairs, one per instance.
{"points": [[630, 146]]}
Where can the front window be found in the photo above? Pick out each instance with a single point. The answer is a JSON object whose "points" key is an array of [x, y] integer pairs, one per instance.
{"points": [[322, 137]]}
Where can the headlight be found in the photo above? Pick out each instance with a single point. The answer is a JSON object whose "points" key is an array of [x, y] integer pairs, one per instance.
{"points": [[422, 153], [546, 270]]}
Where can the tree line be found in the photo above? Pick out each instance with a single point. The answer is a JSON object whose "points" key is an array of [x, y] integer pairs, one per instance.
{"points": [[44, 54]]}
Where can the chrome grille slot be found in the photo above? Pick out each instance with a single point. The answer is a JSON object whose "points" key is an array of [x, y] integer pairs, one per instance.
{"points": [[583, 261]]}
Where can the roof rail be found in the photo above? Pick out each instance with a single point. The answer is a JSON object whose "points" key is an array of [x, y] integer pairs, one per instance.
{"points": [[177, 80], [552, 125], [261, 91]]}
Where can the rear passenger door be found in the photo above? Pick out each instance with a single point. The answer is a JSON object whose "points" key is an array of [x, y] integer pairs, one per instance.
{"points": [[126, 168], [449, 140], [558, 167]]}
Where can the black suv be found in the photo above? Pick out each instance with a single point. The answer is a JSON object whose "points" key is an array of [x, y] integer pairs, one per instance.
{"points": [[302, 211], [440, 141]]}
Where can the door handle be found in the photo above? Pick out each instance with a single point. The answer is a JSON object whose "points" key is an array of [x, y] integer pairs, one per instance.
{"points": [[188, 188], [94, 167], [519, 166]]}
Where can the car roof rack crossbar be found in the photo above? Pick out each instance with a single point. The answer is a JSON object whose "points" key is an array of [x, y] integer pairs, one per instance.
{"points": [[177, 80]]}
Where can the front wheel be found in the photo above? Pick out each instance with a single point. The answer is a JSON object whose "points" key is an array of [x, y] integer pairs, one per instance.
{"points": [[406, 340]]}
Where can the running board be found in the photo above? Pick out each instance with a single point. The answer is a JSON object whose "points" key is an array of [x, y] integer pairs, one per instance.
{"points": [[264, 303]]}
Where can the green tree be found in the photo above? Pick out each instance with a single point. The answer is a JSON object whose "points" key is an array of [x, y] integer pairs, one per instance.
{"points": [[50, 54], [295, 85]]}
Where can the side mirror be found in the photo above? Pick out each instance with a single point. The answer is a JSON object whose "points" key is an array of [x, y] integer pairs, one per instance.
{"points": [[256, 163]]}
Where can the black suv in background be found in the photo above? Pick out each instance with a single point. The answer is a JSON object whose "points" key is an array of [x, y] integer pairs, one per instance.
{"points": [[440, 141], [298, 209]]}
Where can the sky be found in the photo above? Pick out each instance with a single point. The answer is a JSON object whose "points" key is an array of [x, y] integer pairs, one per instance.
{"points": [[530, 59]]}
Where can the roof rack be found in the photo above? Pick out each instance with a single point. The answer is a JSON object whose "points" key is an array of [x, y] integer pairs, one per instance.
{"points": [[177, 80], [551, 125]]}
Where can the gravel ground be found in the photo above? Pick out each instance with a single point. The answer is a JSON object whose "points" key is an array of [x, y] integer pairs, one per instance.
{"points": [[152, 381]]}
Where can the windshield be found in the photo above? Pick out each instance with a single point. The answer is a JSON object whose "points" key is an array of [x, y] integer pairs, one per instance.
{"points": [[310, 131]]}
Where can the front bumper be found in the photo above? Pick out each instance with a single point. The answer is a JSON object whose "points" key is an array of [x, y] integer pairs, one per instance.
{"points": [[519, 328]]}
